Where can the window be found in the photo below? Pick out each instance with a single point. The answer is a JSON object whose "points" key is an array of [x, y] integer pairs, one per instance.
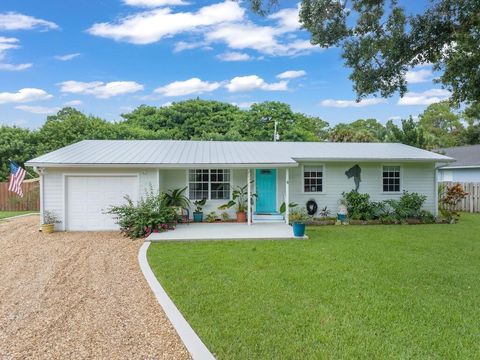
{"points": [[211, 184], [391, 179], [313, 179]]}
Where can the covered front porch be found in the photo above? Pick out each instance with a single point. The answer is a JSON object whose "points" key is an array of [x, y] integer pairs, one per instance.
{"points": [[224, 231]]}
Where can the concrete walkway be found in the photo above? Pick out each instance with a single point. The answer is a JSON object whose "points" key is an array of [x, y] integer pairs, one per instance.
{"points": [[225, 231]]}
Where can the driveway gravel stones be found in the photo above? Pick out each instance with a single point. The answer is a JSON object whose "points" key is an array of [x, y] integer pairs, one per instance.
{"points": [[77, 296]]}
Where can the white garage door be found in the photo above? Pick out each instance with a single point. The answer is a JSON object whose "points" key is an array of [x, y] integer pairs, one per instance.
{"points": [[89, 196]]}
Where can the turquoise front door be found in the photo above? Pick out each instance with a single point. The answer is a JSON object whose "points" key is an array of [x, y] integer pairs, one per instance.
{"points": [[266, 180]]}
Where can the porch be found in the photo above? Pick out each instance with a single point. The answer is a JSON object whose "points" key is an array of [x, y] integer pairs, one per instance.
{"points": [[225, 231]]}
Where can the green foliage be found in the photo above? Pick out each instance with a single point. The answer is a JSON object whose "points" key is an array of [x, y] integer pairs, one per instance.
{"points": [[283, 207], [16, 144], [225, 216], [299, 216], [151, 213], [177, 198], [409, 134], [211, 217], [199, 204], [358, 205], [409, 206], [239, 199]]}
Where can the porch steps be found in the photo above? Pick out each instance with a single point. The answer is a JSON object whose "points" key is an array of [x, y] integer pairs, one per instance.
{"points": [[268, 218]]}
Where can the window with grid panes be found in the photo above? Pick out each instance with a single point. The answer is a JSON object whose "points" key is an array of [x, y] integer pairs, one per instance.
{"points": [[313, 179], [211, 184], [391, 179]]}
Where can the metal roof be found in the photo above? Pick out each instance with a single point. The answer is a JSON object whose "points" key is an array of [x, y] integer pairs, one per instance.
{"points": [[465, 156], [180, 153]]}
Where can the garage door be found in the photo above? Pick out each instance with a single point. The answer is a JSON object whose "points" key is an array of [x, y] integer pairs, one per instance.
{"points": [[89, 196]]}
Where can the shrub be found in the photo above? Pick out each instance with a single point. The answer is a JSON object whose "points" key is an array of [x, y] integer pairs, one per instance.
{"points": [[151, 214], [358, 205], [299, 216], [211, 217], [450, 200], [408, 206]]}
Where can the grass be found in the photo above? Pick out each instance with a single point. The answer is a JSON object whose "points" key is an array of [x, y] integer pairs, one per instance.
{"points": [[363, 292], [7, 214]]}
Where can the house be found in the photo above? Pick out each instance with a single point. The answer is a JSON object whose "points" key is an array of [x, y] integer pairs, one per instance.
{"points": [[80, 181], [465, 168]]}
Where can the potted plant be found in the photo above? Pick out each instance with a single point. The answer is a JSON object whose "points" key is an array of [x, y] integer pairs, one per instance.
{"points": [[239, 199], [49, 221], [298, 218], [198, 214]]}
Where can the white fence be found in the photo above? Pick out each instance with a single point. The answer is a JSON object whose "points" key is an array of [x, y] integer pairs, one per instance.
{"points": [[472, 202]]}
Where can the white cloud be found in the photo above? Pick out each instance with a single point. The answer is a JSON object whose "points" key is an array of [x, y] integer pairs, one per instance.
{"points": [[183, 45], [24, 95], [151, 26], [395, 118], [244, 105], [100, 89], [291, 74], [38, 109], [67, 57], [73, 103], [424, 98], [418, 76], [187, 87], [17, 21], [166, 104], [234, 56], [288, 19], [254, 82], [153, 3], [14, 67], [6, 44], [351, 103], [224, 22]]}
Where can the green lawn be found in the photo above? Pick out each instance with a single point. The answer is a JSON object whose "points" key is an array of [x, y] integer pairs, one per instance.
{"points": [[350, 292], [7, 214]]}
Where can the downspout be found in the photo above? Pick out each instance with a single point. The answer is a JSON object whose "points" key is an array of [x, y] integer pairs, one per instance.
{"points": [[39, 171]]}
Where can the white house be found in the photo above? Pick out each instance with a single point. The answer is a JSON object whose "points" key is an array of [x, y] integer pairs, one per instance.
{"points": [[80, 181], [465, 168]]}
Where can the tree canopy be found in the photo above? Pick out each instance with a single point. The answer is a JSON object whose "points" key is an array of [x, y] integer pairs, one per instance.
{"points": [[438, 126], [380, 41]]}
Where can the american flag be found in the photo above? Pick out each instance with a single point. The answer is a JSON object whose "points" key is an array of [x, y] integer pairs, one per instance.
{"points": [[17, 174]]}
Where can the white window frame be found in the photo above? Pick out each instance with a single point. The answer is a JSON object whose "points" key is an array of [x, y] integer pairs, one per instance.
{"points": [[210, 184], [323, 178], [401, 179]]}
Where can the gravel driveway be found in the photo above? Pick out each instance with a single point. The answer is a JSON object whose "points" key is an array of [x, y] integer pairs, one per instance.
{"points": [[76, 296]]}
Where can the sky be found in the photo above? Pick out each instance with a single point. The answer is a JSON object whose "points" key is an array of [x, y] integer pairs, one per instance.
{"points": [[107, 57]]}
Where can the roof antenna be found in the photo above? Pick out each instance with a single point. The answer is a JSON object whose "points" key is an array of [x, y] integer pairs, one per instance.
{"points": [[276, 135]]}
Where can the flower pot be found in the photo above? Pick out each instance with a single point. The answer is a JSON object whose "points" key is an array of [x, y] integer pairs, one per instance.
{"points": [[198, 216], [241, 216], [48, 228], [298, 229]]}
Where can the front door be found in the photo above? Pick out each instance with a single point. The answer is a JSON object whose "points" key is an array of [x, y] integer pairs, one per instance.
{"points": [[266, 180]]}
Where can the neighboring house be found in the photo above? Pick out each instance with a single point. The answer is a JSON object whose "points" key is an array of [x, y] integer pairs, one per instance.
{"points": [[466, 168], [80, 181]]}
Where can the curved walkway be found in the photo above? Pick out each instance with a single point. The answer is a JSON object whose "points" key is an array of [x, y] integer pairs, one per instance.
{"points": [[77, 296]]}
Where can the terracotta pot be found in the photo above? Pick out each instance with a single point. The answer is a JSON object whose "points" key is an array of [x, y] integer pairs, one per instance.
{"points": [[48, 228], [241, 216]]}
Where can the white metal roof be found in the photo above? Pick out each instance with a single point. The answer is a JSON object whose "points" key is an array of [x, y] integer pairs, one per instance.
{"points": [[180, 153]]}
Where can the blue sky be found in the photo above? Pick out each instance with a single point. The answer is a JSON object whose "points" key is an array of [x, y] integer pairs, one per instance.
{"points": [[109, 56]]}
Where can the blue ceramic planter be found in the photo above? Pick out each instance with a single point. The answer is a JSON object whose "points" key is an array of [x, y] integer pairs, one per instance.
{"points": [[298, 229], [198, 217]]}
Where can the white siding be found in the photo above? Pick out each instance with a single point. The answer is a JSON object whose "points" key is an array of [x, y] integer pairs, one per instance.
{"points": [[54, 185], [416, 177]]}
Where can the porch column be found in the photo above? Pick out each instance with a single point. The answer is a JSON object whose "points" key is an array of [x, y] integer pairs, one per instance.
{"points": [[287, 194], [249, 202]]}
